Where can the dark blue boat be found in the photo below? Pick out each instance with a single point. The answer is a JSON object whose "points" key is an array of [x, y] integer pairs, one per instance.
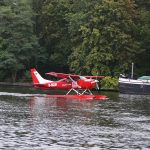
{"points": [[131, 86]]}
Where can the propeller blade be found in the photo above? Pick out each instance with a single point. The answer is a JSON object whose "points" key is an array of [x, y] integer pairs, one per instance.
{"points": [[97, 86]]}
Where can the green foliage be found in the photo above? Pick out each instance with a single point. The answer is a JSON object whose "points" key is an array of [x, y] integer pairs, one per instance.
{"points": [[143, 36], [19, 46], [89, 37], [26, 77], [109, 83], [107, 40], [8, 64], [53, 31], [94, 36]]}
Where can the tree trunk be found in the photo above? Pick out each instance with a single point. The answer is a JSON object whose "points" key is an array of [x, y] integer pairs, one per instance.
{"points": [[14, 76]]}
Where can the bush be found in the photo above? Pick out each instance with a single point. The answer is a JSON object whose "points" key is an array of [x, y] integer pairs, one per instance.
{"points": [[109, 83]]}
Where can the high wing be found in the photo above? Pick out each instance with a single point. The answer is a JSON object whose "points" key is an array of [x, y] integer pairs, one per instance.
{"points": [[94, 77], [73, 76], [63, 75]]}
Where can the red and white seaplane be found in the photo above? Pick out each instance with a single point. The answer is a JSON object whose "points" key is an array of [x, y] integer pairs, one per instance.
{"points": [[80, 85]]}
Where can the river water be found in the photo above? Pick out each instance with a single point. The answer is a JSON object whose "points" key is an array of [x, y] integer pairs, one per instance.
{"points": [[31, 121]]}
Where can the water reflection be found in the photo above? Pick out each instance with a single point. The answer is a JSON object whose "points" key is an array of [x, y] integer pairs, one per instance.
{"points": [[139, 104], [63, 103], [31, 121], [64, 110]]}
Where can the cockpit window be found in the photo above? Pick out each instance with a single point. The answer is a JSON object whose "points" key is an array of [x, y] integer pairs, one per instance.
{"points": [[83, 78]]}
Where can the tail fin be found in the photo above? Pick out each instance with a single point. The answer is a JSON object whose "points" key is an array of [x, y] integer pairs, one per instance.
{"points": [[36, 77]]}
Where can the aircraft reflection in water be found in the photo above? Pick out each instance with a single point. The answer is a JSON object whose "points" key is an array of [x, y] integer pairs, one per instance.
{"points": [[64, 103], [62, 108]]}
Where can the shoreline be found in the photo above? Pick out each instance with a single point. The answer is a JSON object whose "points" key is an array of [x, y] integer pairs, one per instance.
{"points": [[27, 84], [17, 84]]}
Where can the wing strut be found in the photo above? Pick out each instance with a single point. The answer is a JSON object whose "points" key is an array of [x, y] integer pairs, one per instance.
{"points": [[80, 92], [76, 91]]}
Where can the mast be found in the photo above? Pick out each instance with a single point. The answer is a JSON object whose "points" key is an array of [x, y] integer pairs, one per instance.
{"points": [[132, 71]]}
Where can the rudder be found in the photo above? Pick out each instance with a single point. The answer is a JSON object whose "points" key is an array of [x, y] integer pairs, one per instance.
{"points": [[36, 77]]}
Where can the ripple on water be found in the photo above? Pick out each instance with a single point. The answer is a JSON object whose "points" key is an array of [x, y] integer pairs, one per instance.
{"points": [[35, 122]]}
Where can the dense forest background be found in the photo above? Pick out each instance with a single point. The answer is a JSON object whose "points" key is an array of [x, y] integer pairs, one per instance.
{"points": [[81, 36]]}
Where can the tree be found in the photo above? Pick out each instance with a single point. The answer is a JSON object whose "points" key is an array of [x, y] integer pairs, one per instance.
{"points": [[18, 43], [142, 61], [98, 36], [52, 29], [107, 40]]}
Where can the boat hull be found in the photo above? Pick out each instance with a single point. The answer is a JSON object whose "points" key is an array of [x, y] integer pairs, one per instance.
{"points": [[128, 86]]}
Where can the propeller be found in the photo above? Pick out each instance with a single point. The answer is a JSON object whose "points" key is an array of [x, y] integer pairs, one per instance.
{"points": [[97, 85]]}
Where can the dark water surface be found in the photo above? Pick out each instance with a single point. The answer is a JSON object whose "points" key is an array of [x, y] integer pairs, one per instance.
{"points": [[37, 122]]}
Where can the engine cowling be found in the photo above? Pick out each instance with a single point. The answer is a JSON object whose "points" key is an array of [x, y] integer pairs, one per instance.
{"points": [[86, 84]]}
